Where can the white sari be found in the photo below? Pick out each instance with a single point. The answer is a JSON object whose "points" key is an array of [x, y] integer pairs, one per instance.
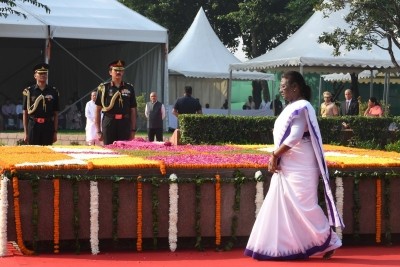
{"points": [[291, 224]]}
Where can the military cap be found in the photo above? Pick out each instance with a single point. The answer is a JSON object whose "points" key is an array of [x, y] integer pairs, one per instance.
{"points": [[41, 68], [117, 65]]}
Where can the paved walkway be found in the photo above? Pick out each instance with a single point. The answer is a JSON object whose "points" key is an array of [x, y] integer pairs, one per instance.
{"points": [[11, 138]]}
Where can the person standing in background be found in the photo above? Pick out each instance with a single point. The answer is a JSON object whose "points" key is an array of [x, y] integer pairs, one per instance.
{"points": [[8, 110], [117, 100], [276, 106], [187, 104], [328, 108], [90, 114], [41, 107], [155, 114], [225, 105], [374, 109], [265, 103], [350, 106], [250, 104], [19, 111]]}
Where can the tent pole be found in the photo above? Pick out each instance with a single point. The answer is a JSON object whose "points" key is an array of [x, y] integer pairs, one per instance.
{"points": [[319, 94], [371, 84], [166, 81], [229, 92], [47, 50], [384, 89]]}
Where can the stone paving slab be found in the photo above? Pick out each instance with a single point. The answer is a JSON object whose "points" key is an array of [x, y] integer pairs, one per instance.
{"points": [[11, 138]]}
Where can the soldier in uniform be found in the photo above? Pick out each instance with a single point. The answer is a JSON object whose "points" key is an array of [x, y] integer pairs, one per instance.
{"points": [[117, 100], [40, 109]]}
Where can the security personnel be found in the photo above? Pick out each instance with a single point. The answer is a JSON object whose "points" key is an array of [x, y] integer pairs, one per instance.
{"points": [[41, 106], [117, 100]]}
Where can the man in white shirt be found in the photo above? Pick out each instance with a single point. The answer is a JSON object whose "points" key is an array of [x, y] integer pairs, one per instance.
{"points": [[90, 114]]}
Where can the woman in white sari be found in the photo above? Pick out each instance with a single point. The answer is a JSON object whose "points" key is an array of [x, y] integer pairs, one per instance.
{"points": [[291, 224]]}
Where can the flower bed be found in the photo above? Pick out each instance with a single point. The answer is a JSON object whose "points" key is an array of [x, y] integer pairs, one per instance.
{"points": [[141, 154]]}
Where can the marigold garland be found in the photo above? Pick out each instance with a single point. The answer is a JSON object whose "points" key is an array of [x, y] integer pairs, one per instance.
{"points": [[378, 210], [259, 191], [239, 179], [139, 226], [17, 215], [173, 212], [339, 202], [217, 210], [3, 215], [56, 218], [94, 218]]}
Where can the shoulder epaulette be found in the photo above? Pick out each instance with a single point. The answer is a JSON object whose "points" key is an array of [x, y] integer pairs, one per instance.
{"points": [[101, 87], [25, 91]]}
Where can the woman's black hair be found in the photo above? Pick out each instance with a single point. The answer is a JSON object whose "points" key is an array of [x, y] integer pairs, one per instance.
{"points": [[374, 100], [296, 77]]}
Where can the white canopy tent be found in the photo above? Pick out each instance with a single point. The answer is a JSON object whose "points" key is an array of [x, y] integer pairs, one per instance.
{"points": [[202, 61], [302, 51], [78, 39]]}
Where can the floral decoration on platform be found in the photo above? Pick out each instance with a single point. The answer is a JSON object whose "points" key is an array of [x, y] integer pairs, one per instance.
{"points": [[138, 153]]}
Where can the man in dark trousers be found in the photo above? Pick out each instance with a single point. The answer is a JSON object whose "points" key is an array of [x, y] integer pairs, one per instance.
{"points": [[276, 106], [350, 106], [117, 100], [40, 109], [155, 114], [187, 104]]}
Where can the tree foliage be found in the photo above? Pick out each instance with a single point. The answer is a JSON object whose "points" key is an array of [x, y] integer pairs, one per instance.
{"points": [[262, 24], [8, 7], [371, 22]]}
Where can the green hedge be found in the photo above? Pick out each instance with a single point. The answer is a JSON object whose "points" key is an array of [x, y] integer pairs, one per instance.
{"points": [[219, 129]]}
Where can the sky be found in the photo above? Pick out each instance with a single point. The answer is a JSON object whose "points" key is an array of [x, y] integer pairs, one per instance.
{"points": [[239, 53]]}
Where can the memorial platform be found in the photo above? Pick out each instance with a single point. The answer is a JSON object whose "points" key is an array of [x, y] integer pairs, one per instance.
{"points": [[144, 196]]}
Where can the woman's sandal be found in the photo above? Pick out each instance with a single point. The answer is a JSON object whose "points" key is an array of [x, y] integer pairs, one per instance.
{"points": [[328, 254]]}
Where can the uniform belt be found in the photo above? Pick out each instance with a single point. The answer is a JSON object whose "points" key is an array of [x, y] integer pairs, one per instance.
{"points": [[40, 120], [116, 116]]}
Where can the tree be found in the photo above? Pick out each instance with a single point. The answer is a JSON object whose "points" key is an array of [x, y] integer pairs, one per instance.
{"points": [[262, 24], [178, 15], [265, 24], [372, 22], [9, 7]]}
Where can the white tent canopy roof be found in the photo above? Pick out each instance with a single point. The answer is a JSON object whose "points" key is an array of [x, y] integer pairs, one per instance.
{"points": [[366, 74], [69, 19], [303, 50], [201, 54], [363, 77]]}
